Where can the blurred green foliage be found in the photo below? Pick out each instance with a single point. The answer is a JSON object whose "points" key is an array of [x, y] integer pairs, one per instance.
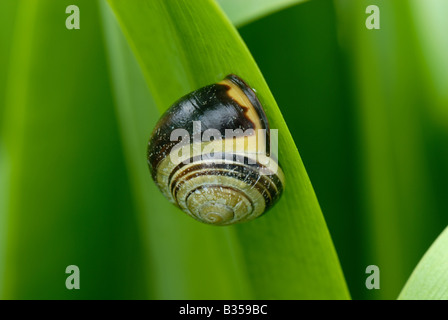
{"points": [[430, 278], [361, 98], [69, 199], [7, 15], [306, 72], [247, 11]]}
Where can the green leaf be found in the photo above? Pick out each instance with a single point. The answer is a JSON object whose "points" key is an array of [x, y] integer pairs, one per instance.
{"points": [[7, 15], [286, 254], [242, 12], [177, 247], [69, 200], [429, 281], [430, 19], [4, 195]]}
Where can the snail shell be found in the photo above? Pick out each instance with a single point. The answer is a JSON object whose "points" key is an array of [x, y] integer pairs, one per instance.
{"points": [[228, 184]]}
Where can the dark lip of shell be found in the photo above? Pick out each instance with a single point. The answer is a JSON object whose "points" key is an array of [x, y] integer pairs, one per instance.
{"points": [[250, 93]]}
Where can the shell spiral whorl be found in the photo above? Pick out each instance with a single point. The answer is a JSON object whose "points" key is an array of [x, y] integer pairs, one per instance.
{"points": [[208, 181]]}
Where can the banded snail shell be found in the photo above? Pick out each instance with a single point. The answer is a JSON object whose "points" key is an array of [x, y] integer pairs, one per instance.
{"points": [[226, 186]]}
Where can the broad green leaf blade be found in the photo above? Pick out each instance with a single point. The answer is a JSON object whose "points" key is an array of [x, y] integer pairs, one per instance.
{"points": [[177, 248], [242, 12], [184, 45], [69, 200], [429, 281]]}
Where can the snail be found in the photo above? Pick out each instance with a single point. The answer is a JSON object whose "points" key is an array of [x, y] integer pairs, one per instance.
{"points": [[210, 154]]}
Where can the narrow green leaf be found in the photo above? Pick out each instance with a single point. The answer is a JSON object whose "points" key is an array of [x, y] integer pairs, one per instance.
{"points": [[242, 12], [69, 200], [429, 281], [4, 195], [7, 17], [184, 45], [431, 21]]}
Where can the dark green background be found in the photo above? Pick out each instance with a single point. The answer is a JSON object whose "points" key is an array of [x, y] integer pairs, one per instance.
{"points": [[364, 107]]}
